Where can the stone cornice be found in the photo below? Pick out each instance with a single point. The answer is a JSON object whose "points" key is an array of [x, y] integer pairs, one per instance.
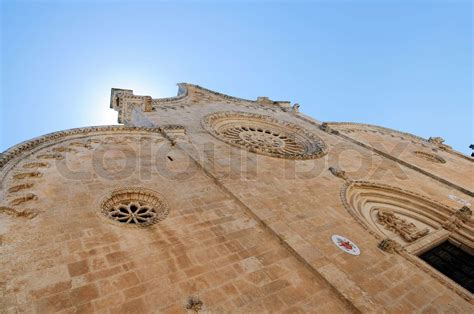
{"points": [[339, 126], [124, 101]]}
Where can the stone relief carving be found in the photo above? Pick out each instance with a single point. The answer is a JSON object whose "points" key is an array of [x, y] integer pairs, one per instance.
{"points": [[407, 230], [456, 220], [360, 196], [264, 135], [389, 245]]}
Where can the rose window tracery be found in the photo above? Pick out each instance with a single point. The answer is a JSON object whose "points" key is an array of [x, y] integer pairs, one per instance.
{"points": [[265, 135], [134, 206]]}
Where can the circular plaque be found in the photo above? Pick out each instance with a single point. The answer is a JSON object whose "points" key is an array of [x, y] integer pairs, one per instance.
{"points": [[345, 244]]}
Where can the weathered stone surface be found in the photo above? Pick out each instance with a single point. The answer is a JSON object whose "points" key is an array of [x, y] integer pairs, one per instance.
{"points": [[234, 229]]}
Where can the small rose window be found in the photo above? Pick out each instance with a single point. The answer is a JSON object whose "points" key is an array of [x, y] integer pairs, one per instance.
{"points": [[135, 206]]}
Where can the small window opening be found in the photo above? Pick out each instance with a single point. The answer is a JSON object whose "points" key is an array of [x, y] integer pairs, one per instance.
{"points": [[453, 262]]}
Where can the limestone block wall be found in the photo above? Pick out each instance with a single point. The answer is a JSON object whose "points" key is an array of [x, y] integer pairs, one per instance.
{"points": [[69, 257], [248, 225]]}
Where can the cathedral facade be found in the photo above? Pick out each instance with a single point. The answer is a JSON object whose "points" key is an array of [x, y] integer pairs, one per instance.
{"points": [[205, 202]]}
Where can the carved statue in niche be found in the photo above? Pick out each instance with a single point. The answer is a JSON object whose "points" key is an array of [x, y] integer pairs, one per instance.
{"points": [[407, 230]]}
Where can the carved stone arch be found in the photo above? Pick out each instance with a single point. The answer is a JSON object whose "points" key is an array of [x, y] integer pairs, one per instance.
{"points": [[364, 200], [409, 223]]}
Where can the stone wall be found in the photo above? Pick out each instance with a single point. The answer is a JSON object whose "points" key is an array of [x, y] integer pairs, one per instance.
{"points": [[248, 228]]}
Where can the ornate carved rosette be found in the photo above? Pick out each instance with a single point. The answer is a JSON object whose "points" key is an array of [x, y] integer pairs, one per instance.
{"points": [[264, 135], [430, 157], [134, 206]]}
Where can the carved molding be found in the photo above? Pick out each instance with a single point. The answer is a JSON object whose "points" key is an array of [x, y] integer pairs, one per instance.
{"points": [[264, 135], [44, 149], [26, 146], [349, 127]]}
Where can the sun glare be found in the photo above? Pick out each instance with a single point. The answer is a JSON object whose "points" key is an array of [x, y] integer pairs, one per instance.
{"points": [[99, 111]]}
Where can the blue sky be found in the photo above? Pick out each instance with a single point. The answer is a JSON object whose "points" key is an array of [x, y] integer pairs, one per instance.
{"points": [[401, 64]]}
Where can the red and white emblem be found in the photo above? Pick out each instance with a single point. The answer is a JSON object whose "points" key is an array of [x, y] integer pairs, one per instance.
{"points": [[345, 244]]}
